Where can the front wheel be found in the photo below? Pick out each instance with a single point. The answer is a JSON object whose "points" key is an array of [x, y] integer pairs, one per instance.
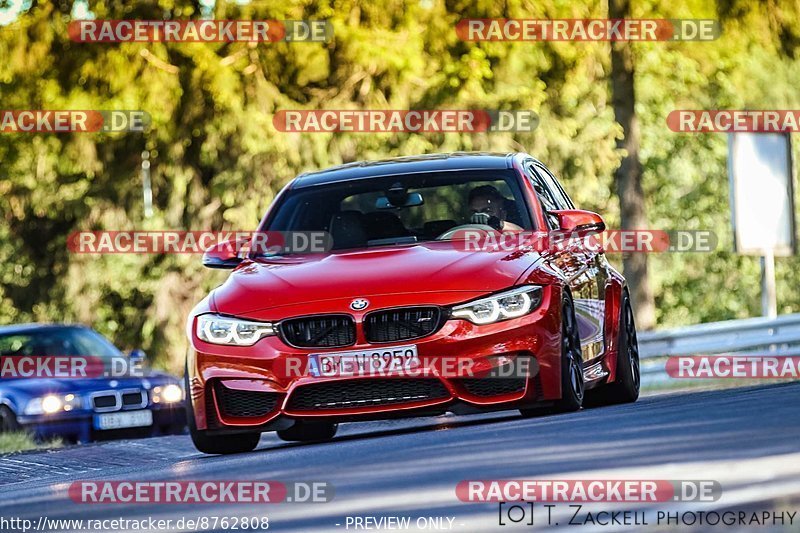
{"points": [[572, 384], [216, 444], [8, 420], [626, 388]]}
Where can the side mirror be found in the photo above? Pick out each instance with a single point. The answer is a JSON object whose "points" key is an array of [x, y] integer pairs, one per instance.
{"points": [[225, 254], [137, 355], [575, 220]]}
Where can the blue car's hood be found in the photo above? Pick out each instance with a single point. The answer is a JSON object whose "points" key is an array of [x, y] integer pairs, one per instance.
{"points": [[38, 386]]}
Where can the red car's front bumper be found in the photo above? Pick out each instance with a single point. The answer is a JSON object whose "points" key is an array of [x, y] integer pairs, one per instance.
{"points": [[260, 387]]}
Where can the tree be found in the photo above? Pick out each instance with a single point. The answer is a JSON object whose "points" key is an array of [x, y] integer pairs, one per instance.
{"points": [[628, 176]]}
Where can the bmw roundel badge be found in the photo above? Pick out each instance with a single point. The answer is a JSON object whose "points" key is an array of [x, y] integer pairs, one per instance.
{"points": [[359, 303]]}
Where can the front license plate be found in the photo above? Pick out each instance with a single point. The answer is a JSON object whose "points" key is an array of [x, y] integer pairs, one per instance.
{"points": [[390, 360], [130, 419]]}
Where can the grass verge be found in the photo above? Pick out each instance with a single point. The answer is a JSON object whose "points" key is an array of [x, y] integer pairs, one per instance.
{"points": [[19, 441]]}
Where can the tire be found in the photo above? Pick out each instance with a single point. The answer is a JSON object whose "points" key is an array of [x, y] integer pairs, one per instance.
{"points": [[303, 431], [216, 444], [572, 385], [8, 420], [626, 388]]}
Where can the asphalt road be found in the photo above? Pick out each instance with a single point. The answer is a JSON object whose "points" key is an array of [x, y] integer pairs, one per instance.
{"points": [[746, 439]]}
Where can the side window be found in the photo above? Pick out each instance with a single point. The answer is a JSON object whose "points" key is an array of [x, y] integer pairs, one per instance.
{"points": [[546, 198], [561, 198]]}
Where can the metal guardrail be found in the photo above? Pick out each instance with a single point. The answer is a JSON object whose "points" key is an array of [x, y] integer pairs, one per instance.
{"points": [[749, 336], [775, 336]]}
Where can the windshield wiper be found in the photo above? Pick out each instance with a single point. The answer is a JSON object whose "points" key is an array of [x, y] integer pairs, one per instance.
{"points": [[411, 239]]}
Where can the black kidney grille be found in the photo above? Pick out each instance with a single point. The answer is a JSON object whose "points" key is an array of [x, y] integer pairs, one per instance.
{"points": [[401, 324], [133, 399], [324, 331], [244, 403], [365, 393], [493, 386], [105, 401]]}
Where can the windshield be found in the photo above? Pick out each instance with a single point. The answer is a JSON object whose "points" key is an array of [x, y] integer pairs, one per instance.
{"points": [[61, 342], [404, 209]]}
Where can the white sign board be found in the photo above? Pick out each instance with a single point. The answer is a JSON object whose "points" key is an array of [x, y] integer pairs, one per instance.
{"points": [[762, 193]]}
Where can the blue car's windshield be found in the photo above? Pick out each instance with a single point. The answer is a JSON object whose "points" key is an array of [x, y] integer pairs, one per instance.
{"points": [[57, 341]]}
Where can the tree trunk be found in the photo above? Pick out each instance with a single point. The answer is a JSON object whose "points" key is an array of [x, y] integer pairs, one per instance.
{"points": [[628, 176]]}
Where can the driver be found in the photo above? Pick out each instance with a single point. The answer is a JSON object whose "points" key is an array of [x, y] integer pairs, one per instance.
{"points": [[488, 207]]}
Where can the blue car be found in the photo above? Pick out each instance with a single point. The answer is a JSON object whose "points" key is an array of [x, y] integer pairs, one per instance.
{"points": [[122, 400]]}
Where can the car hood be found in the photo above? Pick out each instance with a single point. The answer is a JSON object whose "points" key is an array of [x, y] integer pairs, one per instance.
{"points": [[436, 267], [40, 386]]}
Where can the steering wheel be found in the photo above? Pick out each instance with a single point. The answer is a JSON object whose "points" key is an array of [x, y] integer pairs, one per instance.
{"points": [[464, 227]]}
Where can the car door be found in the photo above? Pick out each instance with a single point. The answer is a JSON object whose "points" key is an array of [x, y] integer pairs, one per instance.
{"points": [[581, 264]]}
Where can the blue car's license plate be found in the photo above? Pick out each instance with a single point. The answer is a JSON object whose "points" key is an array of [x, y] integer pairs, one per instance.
{"points": [[130, 419]]}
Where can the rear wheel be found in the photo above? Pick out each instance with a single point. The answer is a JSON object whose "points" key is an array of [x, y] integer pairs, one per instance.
{"points": [[626, 388], [303, 431], [8, 420], [572, 385], [216, 444]]}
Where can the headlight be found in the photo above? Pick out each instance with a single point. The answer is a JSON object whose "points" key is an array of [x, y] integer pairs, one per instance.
{"points": [[167, 394], [52, 403], [232, 331], [502, 306]]}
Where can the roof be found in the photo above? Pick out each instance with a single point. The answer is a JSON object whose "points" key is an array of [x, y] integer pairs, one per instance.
{"points": [[407, 165]]}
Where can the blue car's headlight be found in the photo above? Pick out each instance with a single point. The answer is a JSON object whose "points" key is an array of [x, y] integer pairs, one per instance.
{"points": [[218, 329], [52, 404], [167, 393], [501, 306]]}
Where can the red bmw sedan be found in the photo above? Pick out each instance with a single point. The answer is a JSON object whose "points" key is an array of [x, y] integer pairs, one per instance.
{"points": [[429, 290]]}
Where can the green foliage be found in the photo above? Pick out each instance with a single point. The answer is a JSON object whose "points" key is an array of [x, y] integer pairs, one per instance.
{"points": [[217, 160]]}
